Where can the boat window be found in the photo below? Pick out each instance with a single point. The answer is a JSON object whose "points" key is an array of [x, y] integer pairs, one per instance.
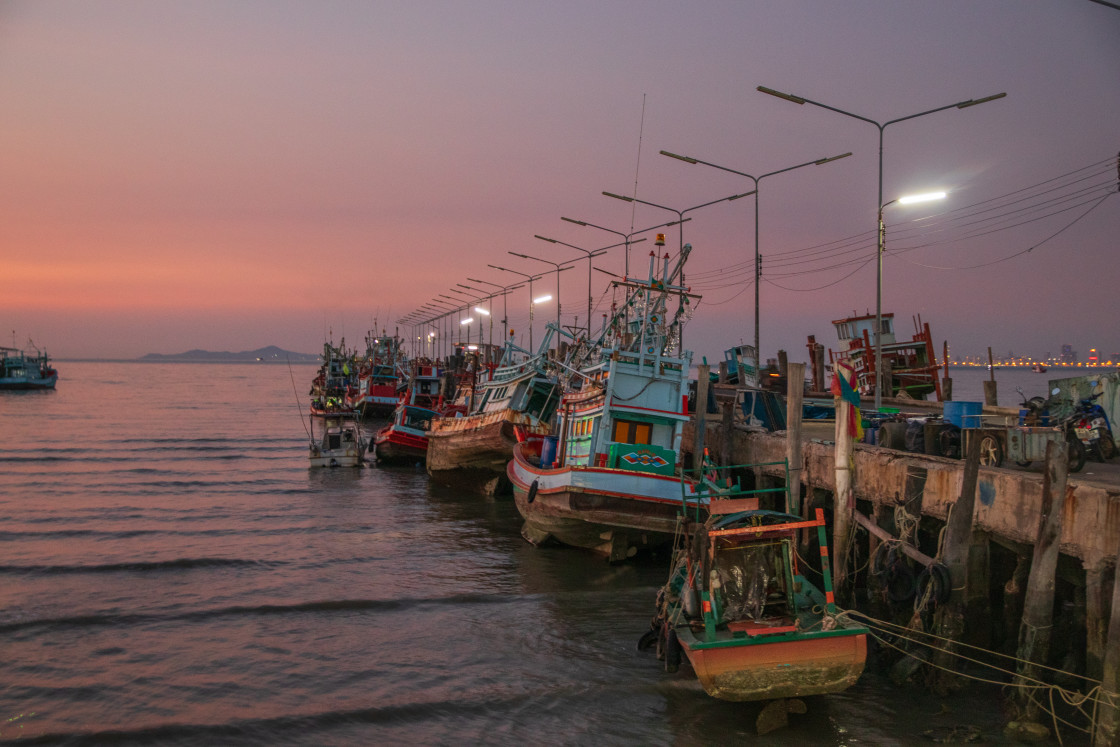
{"points": [[631, 432]]}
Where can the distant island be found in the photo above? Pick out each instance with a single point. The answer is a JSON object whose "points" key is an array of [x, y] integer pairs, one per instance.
{"points": [[270, 354]]}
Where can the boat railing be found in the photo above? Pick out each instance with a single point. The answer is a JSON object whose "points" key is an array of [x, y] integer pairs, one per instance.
{"points": [[724, 493]]}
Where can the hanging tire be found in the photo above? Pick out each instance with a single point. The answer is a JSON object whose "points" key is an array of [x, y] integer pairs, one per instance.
{"points": [[934, 578], [672, 651], [532, 496], [991, 452]]}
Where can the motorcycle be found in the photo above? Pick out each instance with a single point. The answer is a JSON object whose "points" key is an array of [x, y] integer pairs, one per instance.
{"points": [[1093, 429]]}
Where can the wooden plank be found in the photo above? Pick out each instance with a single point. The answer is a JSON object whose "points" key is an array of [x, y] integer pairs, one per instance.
{"points": [[733, 505]]}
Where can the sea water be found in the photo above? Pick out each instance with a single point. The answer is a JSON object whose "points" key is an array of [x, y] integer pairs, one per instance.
{"points": [[172, 572]]}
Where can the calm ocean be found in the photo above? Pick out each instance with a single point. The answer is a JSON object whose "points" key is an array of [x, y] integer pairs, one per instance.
{"points": [[171, 572]]}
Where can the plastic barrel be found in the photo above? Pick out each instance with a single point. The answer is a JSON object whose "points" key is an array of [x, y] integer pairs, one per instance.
{"points": [[964, 414], [548, 451]]}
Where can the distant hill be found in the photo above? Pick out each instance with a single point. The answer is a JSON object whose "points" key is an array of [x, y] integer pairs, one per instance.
{"points": [[270, 354]]}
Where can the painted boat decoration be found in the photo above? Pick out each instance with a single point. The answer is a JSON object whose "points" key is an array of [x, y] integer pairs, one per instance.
{"points": [[751, 625], [610, 480], [18, 370], [340, 442]]}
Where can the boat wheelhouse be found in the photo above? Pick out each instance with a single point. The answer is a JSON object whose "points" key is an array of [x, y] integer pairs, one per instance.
{"points": [[911, 364], [18, 370]]}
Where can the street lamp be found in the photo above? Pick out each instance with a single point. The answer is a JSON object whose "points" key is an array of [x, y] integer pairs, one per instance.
{"points": [[530, 278], [589, 254], [625, 236], [559, 267], [879, 202], [757, 256], [505, 316], [907, 200]]}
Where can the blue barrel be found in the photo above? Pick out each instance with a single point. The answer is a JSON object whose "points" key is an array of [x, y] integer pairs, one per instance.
{"points": [[548, 451], [964, 414]]}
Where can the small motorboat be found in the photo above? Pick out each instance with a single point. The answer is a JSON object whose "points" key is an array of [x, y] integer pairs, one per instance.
{"points": [[340, 442]]}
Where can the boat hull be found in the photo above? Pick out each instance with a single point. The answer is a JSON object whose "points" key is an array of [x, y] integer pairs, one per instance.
{"points": [[394, 446], [615, 512], [20, 383], [474, 450], [795, 666]]}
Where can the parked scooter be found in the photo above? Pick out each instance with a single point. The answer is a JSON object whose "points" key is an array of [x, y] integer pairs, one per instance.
{"points": [[1093, 429]]}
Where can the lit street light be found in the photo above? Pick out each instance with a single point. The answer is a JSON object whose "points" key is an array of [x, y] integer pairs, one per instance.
{"points": [[559, 268], [530, 278], [801, 100], [589, 254], [757, 256]]}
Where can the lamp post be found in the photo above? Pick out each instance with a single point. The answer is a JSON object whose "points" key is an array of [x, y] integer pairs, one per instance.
{"points": [[882, 231], [530, 278], [505, 316], [625, 236], [589, 254], [879, 201], [680, 222], [559, 268], [757, 256]]}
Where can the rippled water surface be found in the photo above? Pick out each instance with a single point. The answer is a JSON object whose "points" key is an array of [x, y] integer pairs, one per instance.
{"points": [[172, 572]]}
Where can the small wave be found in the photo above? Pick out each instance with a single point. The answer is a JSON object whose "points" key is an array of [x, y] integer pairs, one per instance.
{"points": [[143, 567], [319, 606]]}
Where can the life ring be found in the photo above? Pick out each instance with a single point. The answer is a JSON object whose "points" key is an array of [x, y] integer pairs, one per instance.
{"points": [[532, 496]]}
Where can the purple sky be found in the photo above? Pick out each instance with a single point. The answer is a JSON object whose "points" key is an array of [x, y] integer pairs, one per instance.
{"points": [[230, 175]]}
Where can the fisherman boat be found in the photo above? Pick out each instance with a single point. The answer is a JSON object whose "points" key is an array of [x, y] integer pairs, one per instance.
{"points": [[340, 442], [18, 370], [337, 376], [381, 375], [609, 482], [751, 624], [911, 364], [513, 401], [405, 440]]}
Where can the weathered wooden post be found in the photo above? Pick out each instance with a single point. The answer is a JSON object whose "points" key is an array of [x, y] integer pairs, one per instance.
{"points": [[703, 372], [946, 381], [723, 372], [1038, 607], [795, 392], [949, 618], [842, 500], [990, 397], [783, 363], [1108, 711], [1098, 590], [727, 433]]}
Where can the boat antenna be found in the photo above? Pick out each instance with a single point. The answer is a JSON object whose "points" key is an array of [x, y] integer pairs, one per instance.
{"points": [[299, 408], [638, 164]]}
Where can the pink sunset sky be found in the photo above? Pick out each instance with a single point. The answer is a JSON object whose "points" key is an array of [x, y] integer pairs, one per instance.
{"points": [[232, 175]]}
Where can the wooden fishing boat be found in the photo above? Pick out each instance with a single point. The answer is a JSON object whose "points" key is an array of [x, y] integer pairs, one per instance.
{"points": [[18, 370], [340, 442], [405, 440], [336, 378], [381, 377], [612, 484], [472, 449], [911, 363], [751, 624]]}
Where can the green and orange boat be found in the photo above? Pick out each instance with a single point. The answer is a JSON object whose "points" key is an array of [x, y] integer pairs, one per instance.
{"points": [[739, 606]]}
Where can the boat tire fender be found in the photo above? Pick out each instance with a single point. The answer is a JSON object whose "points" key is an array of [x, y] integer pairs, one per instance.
{"points": [[672, 650], [901, 586], [938, 575], [532, 496]]}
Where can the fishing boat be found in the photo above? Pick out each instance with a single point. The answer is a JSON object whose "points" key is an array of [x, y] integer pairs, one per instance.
{"points": [[340, 442], [382, 374], [751, 624], [336, 377], [911, 364], [18, 370], [405, 440], [609, 481], [472, 447]]}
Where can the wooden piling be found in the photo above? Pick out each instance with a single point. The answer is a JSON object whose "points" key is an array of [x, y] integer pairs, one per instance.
{"points": [[1107, 732], [843, 502], [946, 381], [1038, 607], [978, 607], [990, 396], [1098, 588], [795, 392], [949, 618]]}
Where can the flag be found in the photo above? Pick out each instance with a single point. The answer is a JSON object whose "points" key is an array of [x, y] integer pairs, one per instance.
{"points": [[843, 379]]}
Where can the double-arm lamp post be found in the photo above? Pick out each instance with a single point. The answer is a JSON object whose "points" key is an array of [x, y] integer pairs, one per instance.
{"points": [[757, 257], [505, 314], [590, 253], [879, 204], [530, 278], [560, 266]]}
